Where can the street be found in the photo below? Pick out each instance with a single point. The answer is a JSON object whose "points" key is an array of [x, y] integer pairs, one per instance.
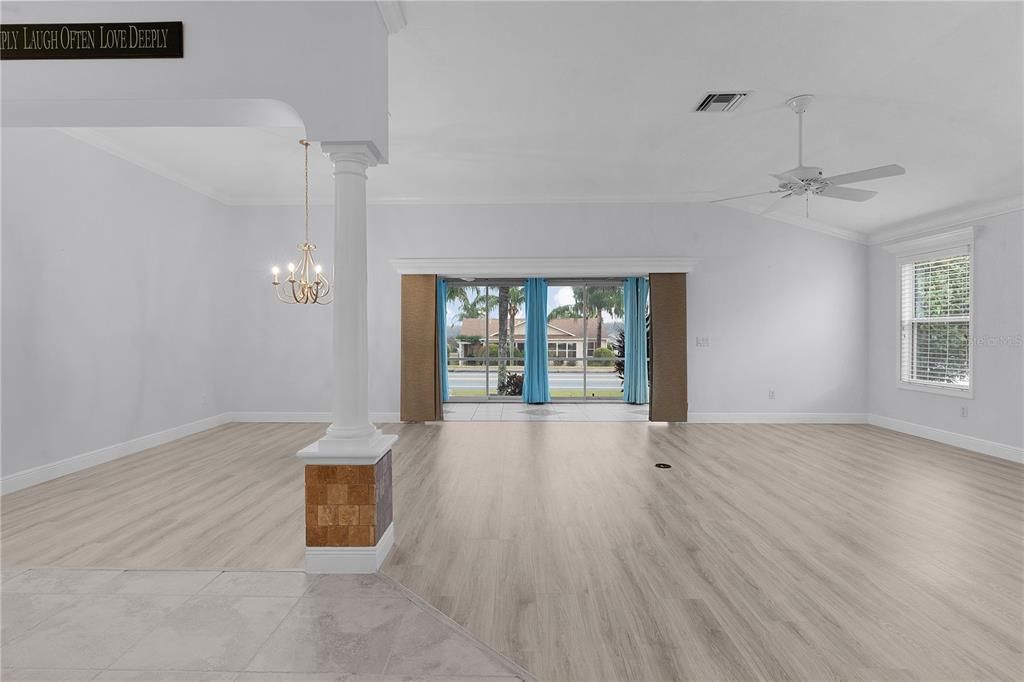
{"points": [[596, 379]]}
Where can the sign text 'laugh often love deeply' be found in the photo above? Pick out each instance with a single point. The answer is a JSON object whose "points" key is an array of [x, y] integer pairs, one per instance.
{"points": [[138, 40]]}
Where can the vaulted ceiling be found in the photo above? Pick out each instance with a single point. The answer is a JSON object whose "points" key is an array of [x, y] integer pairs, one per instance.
{"points": [[510, 102]]}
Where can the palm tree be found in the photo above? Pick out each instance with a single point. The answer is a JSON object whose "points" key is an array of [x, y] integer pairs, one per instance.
{"points": [[563, 312], [510, 301], [592, 302], [602, 300], [503, 351], [472, 303], [476, 303], [516, 300], [461, 296]]}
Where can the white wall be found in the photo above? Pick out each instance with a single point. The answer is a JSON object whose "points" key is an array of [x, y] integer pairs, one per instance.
{"points": [[111, 300], [281, 354], [151, 306], [996, 412], [784, 308]]}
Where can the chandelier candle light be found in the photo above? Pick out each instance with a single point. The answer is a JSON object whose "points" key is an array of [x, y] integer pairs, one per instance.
{"points": [[307, 282]]}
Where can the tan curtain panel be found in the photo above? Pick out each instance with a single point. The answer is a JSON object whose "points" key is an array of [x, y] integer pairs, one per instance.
{"points": [[421, 379], [668, 347]]}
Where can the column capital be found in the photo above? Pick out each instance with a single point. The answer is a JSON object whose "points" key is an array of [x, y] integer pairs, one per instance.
{"points": [[351, 157]]}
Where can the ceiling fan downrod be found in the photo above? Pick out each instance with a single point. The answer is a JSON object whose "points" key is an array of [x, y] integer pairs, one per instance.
{"points": [[799, 105]]}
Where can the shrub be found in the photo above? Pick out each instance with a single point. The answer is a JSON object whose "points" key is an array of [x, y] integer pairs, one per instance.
{"points": [[620, 355], [619, 344], [512, 385], [490, 349], [603, 357]]}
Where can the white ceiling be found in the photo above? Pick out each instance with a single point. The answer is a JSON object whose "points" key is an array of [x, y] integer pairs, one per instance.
{"points": [[563, 102]]}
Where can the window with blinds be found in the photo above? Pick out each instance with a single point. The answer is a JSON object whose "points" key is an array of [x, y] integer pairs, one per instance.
{"points": [[936, 322]]}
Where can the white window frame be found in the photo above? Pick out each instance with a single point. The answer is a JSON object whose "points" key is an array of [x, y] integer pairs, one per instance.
{"points": [[958, 243]]}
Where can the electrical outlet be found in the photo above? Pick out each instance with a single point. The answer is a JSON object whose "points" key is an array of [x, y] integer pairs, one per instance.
{"points": [[963, 411], [771, 394], [703, 342]]}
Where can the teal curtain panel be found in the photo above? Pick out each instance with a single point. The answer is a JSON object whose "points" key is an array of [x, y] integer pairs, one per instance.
{"points": [[535, 372], [442, 336], [634, 379]]}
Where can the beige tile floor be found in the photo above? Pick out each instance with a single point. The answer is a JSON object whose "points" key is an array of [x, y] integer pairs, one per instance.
{"points": [[94, 624]]}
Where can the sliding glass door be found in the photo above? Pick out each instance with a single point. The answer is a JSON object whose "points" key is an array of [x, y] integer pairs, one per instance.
{"points": [[486, 336], [604, 333]]}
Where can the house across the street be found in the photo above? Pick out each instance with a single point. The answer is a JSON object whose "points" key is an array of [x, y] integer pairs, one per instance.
{"points": [[567, 337]]}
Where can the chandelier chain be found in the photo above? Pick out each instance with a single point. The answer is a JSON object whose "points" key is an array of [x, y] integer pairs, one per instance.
{"points": [[305, 144]]}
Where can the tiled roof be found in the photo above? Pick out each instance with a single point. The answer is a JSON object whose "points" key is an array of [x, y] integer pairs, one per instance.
{"points": [[559, 328]]}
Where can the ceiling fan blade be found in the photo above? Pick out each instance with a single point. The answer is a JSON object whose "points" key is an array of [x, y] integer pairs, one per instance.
{"points": [[847, 193], [744, 196], [869, 174], [775, 204]]}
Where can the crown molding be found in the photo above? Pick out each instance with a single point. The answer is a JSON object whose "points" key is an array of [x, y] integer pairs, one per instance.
{"points": [[812, 225], [95, 138], [542, 267], [930, 243], [532, 200], [695, 198], [393, 15], [945, 219]]}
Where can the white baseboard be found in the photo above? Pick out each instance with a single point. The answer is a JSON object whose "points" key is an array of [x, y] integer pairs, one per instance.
{"points": [[48, 472], [985, 447], [292, 417], [325, 417], [980, 445], [350, 559], [776, 418]]}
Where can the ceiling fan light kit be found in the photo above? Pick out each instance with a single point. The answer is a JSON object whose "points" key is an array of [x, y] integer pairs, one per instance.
{"points": [[804, 181]]}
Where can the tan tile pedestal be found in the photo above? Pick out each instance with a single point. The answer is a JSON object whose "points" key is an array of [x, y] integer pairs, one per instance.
{"points": [[348, 516]]}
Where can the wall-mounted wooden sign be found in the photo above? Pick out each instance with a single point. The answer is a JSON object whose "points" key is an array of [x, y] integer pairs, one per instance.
{"points": [[139, 40]]}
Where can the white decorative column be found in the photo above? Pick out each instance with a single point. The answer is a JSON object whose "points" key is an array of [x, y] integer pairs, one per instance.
{"points": [[348, 472]]}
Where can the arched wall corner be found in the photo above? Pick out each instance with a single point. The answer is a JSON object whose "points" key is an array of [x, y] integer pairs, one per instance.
{"points": [[98, 113], [234, 54]]}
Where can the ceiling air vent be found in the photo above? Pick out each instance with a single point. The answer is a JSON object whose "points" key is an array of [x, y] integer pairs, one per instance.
{"points": [[721, 101]]}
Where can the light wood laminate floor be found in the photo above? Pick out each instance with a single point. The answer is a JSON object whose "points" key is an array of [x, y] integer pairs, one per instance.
{"points": [[227, 498], [767, 551]]}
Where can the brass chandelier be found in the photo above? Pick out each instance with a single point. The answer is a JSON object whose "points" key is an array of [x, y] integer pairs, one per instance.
{"points": [[306, 281]]}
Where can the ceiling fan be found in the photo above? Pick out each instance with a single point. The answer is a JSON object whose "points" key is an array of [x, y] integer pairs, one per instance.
{"points": [[803, 181]]}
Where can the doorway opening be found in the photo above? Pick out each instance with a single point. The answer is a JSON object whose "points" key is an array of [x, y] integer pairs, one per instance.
{"points": [[486, 339]]}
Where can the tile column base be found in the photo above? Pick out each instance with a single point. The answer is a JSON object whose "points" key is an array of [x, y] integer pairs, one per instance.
{"points": [[349, 525], [350, 559]]}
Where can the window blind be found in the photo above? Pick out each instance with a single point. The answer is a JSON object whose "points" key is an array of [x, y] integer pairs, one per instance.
{"points": [[936, 321]]}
